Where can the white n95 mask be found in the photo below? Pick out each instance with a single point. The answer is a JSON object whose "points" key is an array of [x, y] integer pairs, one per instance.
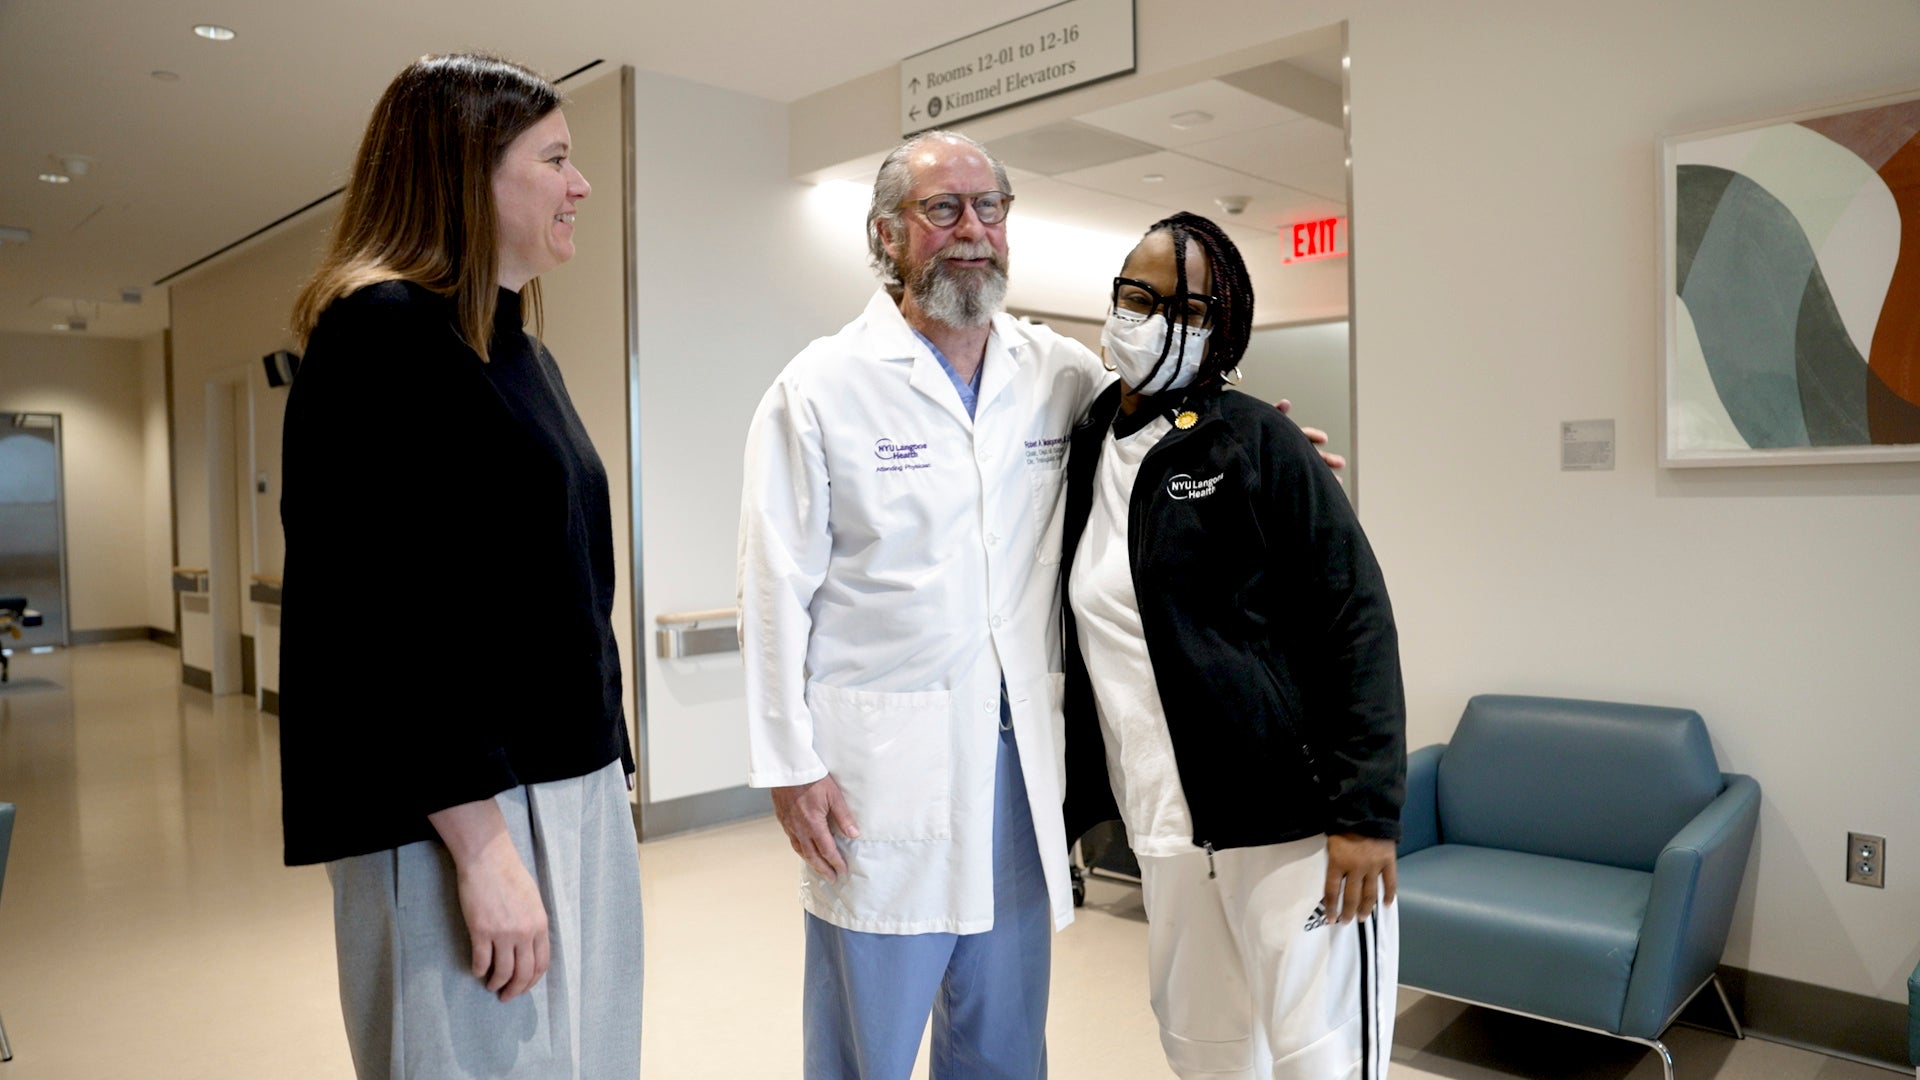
{"points": [[1134, 344]]}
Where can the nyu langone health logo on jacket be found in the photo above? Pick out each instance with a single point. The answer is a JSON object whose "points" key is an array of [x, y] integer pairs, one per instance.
{"points": [[903, 455], [1184, 487]]}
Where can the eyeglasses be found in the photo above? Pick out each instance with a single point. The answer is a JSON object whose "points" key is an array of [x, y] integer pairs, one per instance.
{"points": [[1188, 309], [945, 208]]}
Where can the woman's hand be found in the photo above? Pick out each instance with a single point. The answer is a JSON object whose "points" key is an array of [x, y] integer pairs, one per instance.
{"points": [[506, 921], [1360, 873]]}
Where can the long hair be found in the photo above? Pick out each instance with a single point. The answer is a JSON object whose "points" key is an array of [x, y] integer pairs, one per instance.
{"points": [[892, 185], [1232, 286], [420, 205]]}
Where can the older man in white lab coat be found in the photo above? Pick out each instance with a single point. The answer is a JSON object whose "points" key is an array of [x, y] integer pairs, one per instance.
{"points": [[899, 545]]}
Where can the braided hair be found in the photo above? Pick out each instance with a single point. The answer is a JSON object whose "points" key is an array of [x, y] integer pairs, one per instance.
{"points": [[1232, 286]]}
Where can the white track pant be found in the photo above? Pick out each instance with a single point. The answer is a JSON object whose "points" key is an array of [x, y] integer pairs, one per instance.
{"points": [[1250, 982]]}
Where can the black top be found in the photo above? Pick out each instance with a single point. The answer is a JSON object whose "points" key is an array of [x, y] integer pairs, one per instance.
{"points": [[1266, 621], [446, 621]]}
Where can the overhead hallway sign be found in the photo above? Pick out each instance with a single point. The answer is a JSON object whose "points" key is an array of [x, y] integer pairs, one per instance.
{"points": [[1035, 56]]}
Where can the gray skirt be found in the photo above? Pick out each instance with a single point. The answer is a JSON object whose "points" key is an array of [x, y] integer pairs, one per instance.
{"points": [[415, 1011]]}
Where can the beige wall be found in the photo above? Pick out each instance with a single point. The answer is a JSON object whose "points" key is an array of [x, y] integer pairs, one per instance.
{"points": [[95, 385], [1505, 249], [157, 482]]}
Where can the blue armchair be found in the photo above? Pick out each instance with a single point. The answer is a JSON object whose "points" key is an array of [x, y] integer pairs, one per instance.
{"points": [[1573, 861], [1913, 1021], [6, 842]]}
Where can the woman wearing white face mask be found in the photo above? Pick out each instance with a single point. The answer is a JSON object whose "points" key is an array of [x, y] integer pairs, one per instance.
{"points": [[1233, 687]]}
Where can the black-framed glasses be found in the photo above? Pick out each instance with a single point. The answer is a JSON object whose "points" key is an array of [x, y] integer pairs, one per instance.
{"points": [[945, 208], [1188, 309]]}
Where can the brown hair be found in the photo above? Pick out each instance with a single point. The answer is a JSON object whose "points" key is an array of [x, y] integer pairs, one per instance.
{"points": [[420, 205]]}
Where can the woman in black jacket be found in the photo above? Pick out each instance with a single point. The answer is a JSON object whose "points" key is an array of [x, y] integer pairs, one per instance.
{"points": [[1233, 686], [438, 489]]}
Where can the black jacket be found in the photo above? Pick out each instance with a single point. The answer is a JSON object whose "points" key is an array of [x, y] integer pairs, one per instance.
{"points": [[446, 622], [1267, 625]]}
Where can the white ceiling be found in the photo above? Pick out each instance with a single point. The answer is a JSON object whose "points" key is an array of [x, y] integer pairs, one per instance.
{"points": [[261, 126]]}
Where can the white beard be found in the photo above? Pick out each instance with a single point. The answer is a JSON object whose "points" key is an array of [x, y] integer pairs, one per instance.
{"points": [[963, 298]]}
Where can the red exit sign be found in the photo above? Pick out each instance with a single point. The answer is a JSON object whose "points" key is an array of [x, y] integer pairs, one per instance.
{"points": [[1305, 241]]}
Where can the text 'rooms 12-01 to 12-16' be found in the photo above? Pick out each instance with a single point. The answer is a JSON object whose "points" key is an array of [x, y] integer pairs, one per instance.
{"points": [[1000, 61], [1068, 45]]}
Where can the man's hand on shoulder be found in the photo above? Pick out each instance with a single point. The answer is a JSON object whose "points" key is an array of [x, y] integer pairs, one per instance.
{"points": [[1318, 438], [811, 813]]}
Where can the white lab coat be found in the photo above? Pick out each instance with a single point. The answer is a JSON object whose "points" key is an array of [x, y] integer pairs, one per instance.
{"points": [[897, 560]]}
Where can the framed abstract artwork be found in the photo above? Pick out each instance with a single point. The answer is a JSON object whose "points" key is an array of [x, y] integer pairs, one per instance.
{"points": [[1790, 283]]}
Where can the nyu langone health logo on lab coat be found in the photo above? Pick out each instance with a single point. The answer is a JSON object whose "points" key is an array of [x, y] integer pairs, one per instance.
{"points": [[1185, 487], [904, 455]]}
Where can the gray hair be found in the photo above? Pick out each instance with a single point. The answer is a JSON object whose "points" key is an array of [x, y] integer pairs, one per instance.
{"points": [[891, 188]]}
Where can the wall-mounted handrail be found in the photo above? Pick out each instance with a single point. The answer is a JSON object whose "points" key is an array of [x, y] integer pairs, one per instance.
{"points": [[689, 618], [265, 589], [687, 633]]}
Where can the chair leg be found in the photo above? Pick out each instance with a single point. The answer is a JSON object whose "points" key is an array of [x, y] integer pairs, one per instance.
{"points": [[1666, 1056], [6, 1048], [1738, 1031]]}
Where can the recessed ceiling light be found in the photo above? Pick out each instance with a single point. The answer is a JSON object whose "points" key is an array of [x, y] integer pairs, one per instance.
{"points": [[1346, 61], [56, 178], [213, 33], [1192, 118], [167, 76], [1153, 178]]}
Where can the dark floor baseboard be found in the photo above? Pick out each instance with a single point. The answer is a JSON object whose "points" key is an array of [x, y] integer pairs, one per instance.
{"points": [[196, 677], [1869, 1030], [112, 633], [126, 633], [270, 702], [247, 683], [705, 810]]}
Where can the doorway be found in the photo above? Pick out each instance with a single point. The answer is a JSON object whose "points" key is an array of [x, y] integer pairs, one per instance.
{"points": [[230, 529], [33, 533]]}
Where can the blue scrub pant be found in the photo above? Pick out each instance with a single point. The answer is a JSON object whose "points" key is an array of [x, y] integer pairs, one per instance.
{"points": [[868, 995]]}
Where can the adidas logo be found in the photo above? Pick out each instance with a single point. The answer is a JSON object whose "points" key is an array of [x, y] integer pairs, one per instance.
{"points": [[1318, 919]]}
